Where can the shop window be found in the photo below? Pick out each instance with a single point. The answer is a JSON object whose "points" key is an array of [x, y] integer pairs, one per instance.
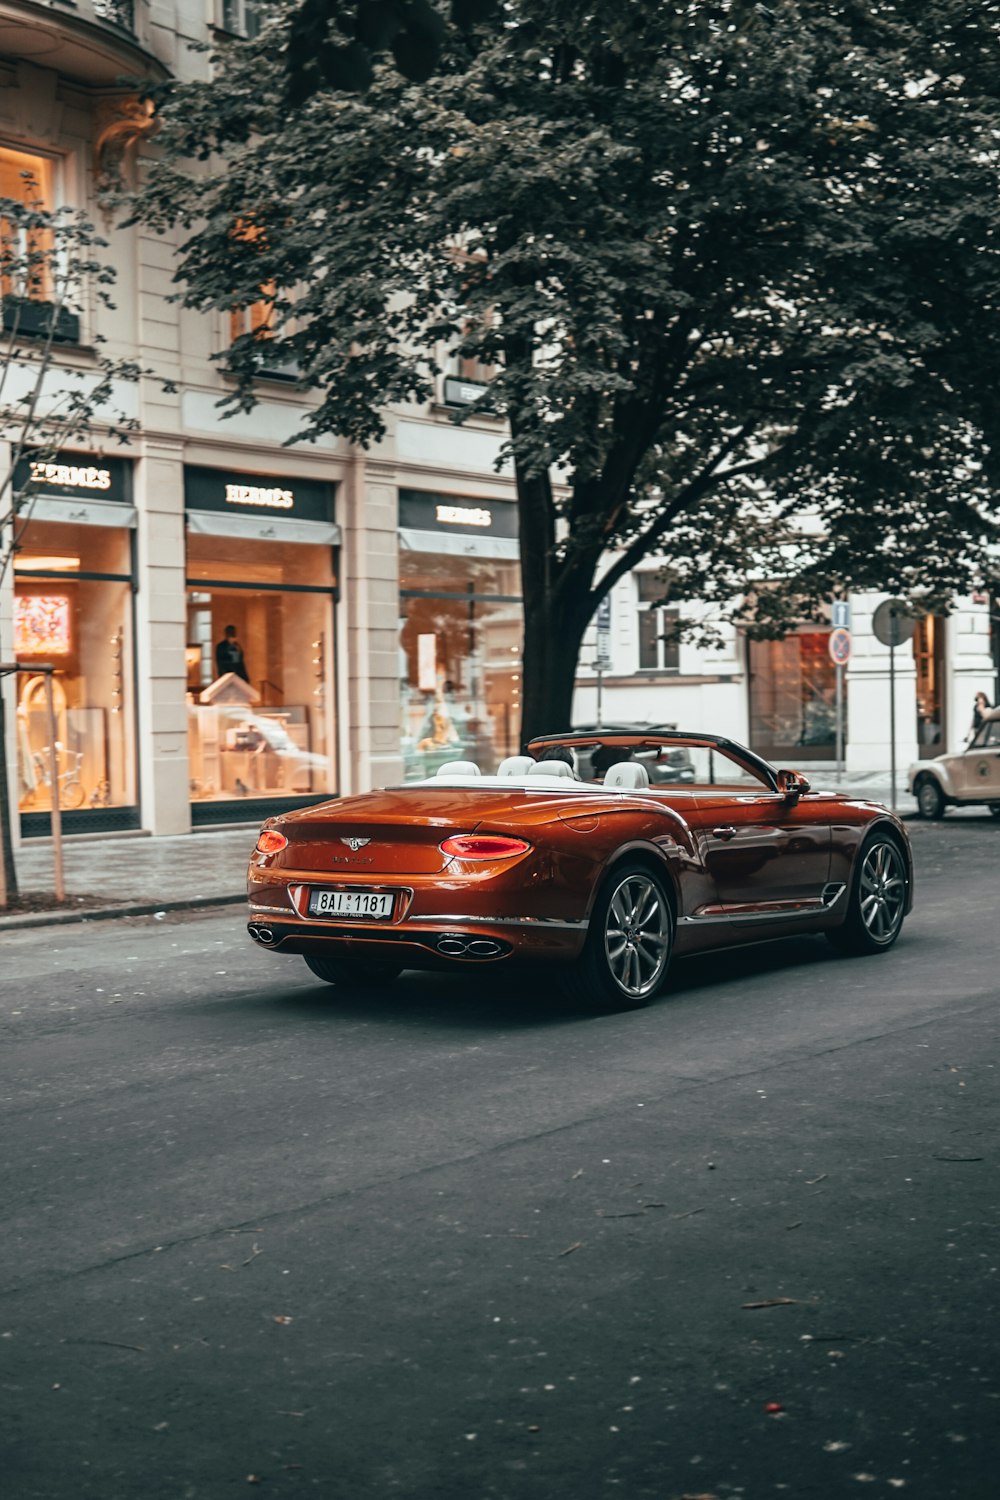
{"points": [[461, 627], [793, 687], [659, 649], [73, 609], [260, 662], [928, 653]]}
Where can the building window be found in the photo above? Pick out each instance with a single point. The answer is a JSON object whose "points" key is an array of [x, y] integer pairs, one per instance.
{"points": [[461, 625], [469, 376], [26, 255], [73, 609], [242, 17], [659, 649], [793, 686], [260, 663]]}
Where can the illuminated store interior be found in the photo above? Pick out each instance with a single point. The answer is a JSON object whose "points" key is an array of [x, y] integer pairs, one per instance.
{"points": [[260, 721], [73, 609]]}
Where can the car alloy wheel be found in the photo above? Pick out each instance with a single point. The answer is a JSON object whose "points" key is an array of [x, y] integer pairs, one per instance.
{"points": [[882, 891], [629, 942], [637, 935], [877, 902]]}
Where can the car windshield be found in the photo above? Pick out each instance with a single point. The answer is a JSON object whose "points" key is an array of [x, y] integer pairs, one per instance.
{"points": [[987, 736], [584, 762]]}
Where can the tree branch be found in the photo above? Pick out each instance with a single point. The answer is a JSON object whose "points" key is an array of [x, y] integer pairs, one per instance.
{"points": [[707, 478]]}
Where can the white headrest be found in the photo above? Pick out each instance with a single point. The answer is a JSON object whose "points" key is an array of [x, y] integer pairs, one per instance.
{"points": [[459, 768], [515, 765], [627, 773], [551, 768]]}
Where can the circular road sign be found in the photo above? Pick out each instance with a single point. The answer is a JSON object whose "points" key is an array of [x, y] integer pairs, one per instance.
{"points": [[893, 622], [840, 646]]}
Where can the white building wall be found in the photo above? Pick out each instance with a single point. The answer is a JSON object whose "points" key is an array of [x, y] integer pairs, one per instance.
{"points": [[970, 661]]}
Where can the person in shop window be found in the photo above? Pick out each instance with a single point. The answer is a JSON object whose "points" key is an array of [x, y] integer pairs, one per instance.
{"points": [[229, 655]]}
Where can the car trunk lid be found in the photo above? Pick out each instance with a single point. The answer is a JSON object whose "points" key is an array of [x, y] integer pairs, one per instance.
{"points": [[390, 833]]}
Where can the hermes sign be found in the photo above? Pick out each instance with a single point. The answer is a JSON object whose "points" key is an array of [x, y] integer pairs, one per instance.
{"points": [[75, 476], [223, 490]]}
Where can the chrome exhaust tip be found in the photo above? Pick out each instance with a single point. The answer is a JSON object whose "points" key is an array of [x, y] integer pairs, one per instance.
{"points": [[260, 934], [459, 945]]}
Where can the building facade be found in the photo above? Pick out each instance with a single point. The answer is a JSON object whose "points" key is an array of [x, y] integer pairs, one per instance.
{"points": [[239, 627]]}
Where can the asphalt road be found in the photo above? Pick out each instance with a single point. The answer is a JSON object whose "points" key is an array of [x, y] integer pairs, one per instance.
{"points": [[457, 1241]]}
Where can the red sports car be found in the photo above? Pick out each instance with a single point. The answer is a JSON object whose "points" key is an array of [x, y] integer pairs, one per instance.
{"points": [[603, 878]]}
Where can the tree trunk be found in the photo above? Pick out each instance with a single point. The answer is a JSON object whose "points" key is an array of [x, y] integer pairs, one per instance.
{"points": [[6, 839], [553, 633]]}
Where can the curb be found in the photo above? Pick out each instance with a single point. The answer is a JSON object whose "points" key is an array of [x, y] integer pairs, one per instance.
{"points": [[109, 913]]}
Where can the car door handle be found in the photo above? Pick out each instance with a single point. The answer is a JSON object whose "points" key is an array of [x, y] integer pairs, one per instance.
{"points": [[724, 833]]}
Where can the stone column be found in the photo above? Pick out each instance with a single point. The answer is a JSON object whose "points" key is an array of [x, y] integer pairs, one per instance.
{"points": [[369, 627], [160, 637]]}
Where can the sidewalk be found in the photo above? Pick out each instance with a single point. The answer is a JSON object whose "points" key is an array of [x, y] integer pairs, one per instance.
{"points": [[138, 875], [141, 875]]}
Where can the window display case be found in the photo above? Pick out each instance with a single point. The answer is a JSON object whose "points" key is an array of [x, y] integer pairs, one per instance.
{"points": [[461, 625], [259, 671], [73, 609]]}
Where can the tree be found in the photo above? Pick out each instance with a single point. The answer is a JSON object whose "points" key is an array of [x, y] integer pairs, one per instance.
{"points": [[49, 262], [739, 284]]}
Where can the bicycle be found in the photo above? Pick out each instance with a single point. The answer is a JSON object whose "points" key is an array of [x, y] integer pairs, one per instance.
{"points": [[71, 792]]}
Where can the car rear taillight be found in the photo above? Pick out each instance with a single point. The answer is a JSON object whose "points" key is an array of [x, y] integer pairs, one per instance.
{"points": [[483, 846], [271, 841]]}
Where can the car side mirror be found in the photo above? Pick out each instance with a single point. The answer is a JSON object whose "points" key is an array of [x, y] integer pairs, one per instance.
{"points": [[792, 785]]}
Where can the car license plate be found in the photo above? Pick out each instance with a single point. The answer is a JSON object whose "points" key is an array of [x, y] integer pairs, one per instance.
{"points": [[367, 904]]}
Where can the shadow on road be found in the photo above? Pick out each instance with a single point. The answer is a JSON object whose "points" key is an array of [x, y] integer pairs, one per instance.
{"points": [[529, 998]]}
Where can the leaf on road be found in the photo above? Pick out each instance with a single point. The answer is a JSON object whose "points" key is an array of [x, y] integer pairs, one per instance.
{"points": [[773, 1302]]}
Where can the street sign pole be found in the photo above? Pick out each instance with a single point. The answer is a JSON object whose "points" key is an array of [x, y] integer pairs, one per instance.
{"points": [[892, 724], [603, 658], [893, 624], [839, 645]]}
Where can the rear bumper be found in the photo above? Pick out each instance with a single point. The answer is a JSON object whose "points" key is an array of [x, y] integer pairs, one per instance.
{"points": [[437, 942]]}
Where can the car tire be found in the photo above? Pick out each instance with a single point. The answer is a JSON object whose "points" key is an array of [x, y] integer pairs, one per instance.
{"points": [[363, 973], [930, 798], [629, 943], [876, 904]]}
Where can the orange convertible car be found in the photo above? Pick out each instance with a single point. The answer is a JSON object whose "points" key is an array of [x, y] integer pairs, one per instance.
{"points": [[603, 879]]}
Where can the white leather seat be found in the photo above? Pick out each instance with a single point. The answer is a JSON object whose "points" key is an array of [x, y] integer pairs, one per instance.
{"points": [[459, 768], [551, 768], [515, 765], [628, 774]]}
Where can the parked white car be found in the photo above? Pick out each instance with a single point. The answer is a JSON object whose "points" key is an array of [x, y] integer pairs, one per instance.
{"points": [[968, 779]]}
